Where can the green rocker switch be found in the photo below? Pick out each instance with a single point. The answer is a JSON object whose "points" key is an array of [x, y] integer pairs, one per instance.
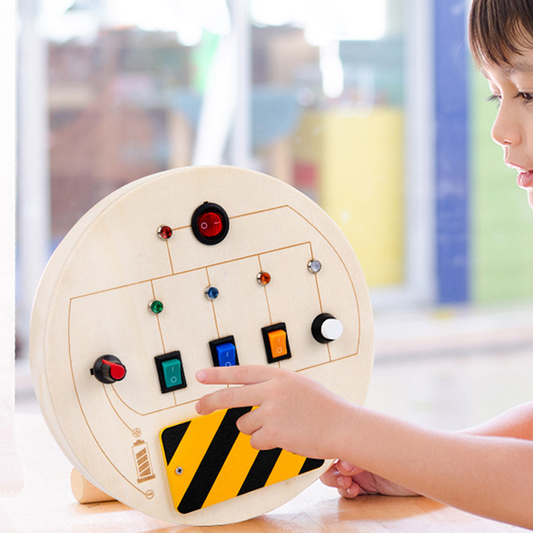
{"points": [[170, 372]]}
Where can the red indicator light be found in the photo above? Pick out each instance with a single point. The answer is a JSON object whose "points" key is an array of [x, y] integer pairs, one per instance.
{"points": [[210, 224], [164, 232]]}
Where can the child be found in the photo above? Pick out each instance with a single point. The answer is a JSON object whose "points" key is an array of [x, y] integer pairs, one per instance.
{"points": [[487, 470]]}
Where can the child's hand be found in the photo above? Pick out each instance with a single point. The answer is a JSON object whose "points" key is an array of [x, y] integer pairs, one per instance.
{"points": [[294, 412], [352, 481]]}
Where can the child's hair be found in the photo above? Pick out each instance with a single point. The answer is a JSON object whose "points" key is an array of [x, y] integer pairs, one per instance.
{"points": [[499, 29]]}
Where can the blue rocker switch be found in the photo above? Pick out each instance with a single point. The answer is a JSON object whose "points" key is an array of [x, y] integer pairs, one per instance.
{"points": [[224, 352]]}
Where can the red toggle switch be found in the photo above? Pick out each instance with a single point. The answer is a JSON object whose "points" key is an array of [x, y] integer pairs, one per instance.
{"points": [[210, 224]]}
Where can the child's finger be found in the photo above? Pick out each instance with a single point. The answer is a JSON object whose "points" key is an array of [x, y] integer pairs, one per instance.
{"points": [[352, 491], [347, 469], [227, 399], [345, 485], [330, 477], [250, 422], [233, 375]]}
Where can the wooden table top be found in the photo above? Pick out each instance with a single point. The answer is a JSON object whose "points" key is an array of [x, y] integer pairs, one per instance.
{"points": [[46, 505]]}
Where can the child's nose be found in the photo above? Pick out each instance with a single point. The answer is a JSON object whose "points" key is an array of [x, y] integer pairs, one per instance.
{"points": [[506, 128]]}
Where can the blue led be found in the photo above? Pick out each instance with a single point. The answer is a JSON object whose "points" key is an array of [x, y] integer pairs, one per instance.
{"points": [[211, 293]]}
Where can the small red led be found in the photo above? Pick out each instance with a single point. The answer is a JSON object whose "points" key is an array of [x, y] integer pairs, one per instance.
{"points": [[263, 278], [164, 232], [210, 224]]}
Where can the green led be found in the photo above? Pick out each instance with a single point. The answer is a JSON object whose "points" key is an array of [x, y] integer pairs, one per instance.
{"points": [[156, 306]]}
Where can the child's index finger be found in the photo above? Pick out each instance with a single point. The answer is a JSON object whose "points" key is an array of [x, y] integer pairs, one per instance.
{"points": [[233, 375]]}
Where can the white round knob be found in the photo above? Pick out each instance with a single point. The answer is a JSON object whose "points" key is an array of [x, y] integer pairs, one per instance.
{"points": [[326, 328], [332, 329]]}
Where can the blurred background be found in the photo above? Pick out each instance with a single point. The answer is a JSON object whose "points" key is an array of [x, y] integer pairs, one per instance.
{"points": [[373, 109]]}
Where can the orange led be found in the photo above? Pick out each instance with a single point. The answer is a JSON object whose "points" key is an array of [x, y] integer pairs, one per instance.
{"points": [[263, 278]]}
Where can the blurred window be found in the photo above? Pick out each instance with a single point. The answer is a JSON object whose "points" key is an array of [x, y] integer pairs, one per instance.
{"points": [[138, 88]]}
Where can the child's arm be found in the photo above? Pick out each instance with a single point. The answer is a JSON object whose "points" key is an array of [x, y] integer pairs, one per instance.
{"points": [[516, 423], [489, 476], [351, 481]]}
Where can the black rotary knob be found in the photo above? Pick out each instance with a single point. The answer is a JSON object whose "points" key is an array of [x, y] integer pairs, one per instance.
{"points": [[326, 328], [108, 369]]}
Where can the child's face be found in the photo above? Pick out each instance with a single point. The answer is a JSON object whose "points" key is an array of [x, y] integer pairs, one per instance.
{"points": [[512, 86]]}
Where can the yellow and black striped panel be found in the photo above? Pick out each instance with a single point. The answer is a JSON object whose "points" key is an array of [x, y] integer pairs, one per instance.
{"points": [[208, 460]]}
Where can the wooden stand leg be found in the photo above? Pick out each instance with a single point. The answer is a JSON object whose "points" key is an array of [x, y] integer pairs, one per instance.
{"points": [[86, 492]]}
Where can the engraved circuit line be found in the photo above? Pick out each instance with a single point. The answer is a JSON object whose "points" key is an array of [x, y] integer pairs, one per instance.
{"points": [[83, 411], [265, 252], [188, 271]]}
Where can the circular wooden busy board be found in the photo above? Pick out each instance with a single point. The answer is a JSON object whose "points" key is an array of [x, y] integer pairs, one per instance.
{"points": [[173, 273]]}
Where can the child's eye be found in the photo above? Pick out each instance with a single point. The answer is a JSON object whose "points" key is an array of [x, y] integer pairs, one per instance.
{"points": [[494, 98], [526, 97]]}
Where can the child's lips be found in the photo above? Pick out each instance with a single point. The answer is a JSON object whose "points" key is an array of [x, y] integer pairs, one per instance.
{"points": [[525, 179]]}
